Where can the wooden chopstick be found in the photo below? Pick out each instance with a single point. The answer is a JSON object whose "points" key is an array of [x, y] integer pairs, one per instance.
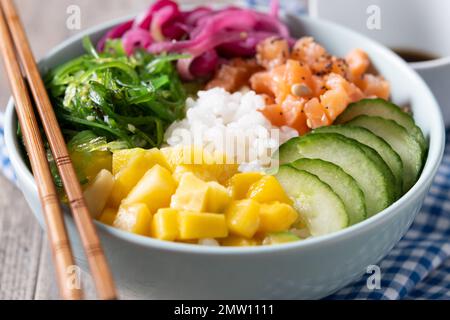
{"points": [[97, 262], [56, 231]]}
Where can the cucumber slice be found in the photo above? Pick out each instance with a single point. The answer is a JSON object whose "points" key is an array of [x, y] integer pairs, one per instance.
{"points": [[342, 184], [320, 208], [394, 190], [347, 154], [384, 109], [398, 138], [366, 137]]}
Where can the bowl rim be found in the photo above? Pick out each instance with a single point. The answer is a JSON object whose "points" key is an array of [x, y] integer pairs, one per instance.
{"points": [[434, 157]]}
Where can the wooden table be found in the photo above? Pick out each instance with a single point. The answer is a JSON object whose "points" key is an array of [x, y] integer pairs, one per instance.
{"points": [[26, 271]]}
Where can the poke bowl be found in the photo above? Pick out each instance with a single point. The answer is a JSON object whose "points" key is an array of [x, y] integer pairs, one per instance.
{"points": [[339, 250]]}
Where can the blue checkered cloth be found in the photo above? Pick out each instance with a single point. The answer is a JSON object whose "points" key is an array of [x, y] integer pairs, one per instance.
{"points": [[419, 265]]}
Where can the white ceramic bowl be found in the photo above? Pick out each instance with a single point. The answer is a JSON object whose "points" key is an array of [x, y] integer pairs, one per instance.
{"points": [[313, 268]]}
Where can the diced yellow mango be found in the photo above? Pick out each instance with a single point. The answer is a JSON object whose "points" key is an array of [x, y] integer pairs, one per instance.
{"points": [[155, 156], [191, 194], [200, 171], [280, 237], [98, 192], [243, 217], [276, 217], [268, 189], [182, 155], [121, 158], [218, 198], [135, 218], [108, 216], [235, 241], [205, 165], [154, 189], [138, 163], [240, 183], [224, 172], [165, 224], [195, 225], [128, 177], [206, 172]]}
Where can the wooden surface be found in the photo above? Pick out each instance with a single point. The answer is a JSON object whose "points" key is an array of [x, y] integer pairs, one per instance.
{"points": [[26, 271], [58, 238]]}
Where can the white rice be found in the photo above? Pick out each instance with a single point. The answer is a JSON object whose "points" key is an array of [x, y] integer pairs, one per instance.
{"points": [[218, 115]]}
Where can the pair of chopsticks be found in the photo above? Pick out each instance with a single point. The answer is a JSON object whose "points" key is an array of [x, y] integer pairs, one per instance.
{"points": [[17, 55]]}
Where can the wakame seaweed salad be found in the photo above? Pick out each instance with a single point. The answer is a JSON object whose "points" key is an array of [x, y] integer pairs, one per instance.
{"points": [[130, 100]]}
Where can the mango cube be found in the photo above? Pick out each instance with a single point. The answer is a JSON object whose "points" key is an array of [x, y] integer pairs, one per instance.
{"points": [[235, 241], [240, 183], [191, 194], [98, 192], [128, 177], [218, 197], [187, 155], [121, 158], [203, 172], [268, 189], [154, 189], [195, 225], [108, 216], [155, 156], [243, 217], [135, 218], [138, 163], [205, 165], [165, 224], [276, 217]]}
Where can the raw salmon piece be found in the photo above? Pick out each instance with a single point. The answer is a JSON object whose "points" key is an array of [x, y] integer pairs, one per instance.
{"points": [[313, 54], [268, 82], [334, 101], [294, 114], [316, 114], [296, 78], [318, 85], [261, 83], [274, 113], [354, 93], [358, 62], [341, 92], [234, 75], [268, 99], [272, 52], [377, 86], [340, 67]]}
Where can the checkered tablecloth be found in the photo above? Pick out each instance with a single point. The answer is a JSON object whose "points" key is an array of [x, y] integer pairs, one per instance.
{"points": [[419, 265]]}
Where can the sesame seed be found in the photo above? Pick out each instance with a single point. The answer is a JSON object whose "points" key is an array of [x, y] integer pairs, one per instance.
{"points": [[300, 90]]}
